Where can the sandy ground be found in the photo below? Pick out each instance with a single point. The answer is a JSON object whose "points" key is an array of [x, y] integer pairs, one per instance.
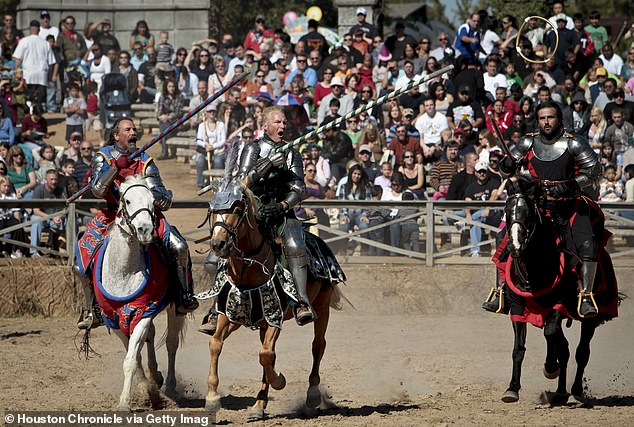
{"points": [[381, 368], [388, 362]]}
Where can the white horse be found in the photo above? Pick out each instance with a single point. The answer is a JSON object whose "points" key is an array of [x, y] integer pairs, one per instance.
{"points": [[121, 275]]}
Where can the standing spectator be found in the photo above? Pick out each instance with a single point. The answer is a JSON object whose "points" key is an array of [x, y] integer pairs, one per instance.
{"points": [[169, 108], [20, 172], [369, 31], [430, 125], [396, 42], [83, 165], [72, 44], [53, 77], [104, 37], [257, 36], [598, 33], [314, 40], [98, 63], [565, 40], [164, 50], [141, 34], [337, 149], [211, 138], [48, 190], [75, 110], [9, 23], [484, 188], [10, 217], [558, 12], [46, 28], [468, 38]]}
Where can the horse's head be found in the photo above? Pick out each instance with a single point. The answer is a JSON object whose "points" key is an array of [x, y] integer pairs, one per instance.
{"points": [[137, 209], [522, 215], [233, 211]]}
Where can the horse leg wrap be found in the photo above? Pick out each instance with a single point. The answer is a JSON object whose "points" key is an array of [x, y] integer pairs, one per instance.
{"points": [[586, 305]]}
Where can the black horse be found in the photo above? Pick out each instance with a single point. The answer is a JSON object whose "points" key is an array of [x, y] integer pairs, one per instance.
{"points": [[542, 285]]}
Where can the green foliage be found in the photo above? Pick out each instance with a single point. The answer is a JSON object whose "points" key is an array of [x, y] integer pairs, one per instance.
{"points": [[520, 9], [436, 11]]}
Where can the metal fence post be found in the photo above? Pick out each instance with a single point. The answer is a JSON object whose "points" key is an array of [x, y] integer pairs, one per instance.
{"points": [[429, 239], [71, 232]]}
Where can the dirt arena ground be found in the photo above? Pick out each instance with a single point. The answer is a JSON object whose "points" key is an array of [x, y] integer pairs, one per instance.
{"points": [[415, 350]]}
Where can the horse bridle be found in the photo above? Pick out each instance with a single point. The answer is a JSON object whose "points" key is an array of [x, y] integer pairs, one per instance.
{"points": [[127, 218]]}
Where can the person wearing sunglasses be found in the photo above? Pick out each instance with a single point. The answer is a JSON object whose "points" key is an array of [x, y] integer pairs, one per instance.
{"points": [[71, 43]]}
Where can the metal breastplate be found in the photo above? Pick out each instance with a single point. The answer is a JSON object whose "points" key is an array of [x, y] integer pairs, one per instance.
{"points": [[549, 152], [266, 148]]}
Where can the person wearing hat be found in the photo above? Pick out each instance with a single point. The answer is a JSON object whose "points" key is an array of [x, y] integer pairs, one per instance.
{"points": [[346, 103], [619, 101], [104, 37], [35, 56], [46, 28], [568, 39], [256, 36], [366, 160], [369, 31]]}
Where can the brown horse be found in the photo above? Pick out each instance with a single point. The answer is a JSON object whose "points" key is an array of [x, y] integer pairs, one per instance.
{"points": [[251, 264]]}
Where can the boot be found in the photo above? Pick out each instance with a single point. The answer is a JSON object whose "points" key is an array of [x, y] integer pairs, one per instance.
{"points": [[187, 302], [210, 322], [586, 306], [88, 319], [304, 313]]}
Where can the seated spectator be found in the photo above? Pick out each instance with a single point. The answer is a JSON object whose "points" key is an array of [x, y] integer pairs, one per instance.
{"points": [[401, 233], [83, 165], [484, 188], [353, 131], [376, 216], [10, 217], [430, 125], [357, 187], [407, 121], [66, 179], [20, 172], [371, 136], [413, 174], [34, 128], [441, 97], [147, 77], [611, 189], [7, 133], [577, 115], [72, 151], [47, 160], [403, 143], [314, 190], [169, 108], [323, 174], [367, 162], [211, 138], [459, 183], [385, 179], [502, 118], [443, 171], [337, 148], [48, 190]]}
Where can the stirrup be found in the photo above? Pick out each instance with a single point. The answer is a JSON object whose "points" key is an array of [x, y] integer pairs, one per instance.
{"points": [[490, 303], [304, 314], [586, 302], [91, 320]]}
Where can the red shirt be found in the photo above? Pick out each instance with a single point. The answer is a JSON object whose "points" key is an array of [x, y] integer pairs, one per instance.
{"points": [[412, 145], [28, 124], [92, 104]]}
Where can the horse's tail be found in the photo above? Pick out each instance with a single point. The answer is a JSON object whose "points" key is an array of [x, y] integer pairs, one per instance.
{"points": [[336, 298]]}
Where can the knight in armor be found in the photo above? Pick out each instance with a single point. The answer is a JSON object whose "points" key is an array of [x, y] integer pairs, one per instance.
{"points": [[567, 169], [110, 167], [276, 178]]}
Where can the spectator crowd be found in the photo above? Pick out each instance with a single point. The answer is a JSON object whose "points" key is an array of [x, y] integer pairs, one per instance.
{"points": [[434, 141]]}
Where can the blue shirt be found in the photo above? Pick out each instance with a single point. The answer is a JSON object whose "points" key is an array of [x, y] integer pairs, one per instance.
{"points": [[310, 77], [469, 50]]}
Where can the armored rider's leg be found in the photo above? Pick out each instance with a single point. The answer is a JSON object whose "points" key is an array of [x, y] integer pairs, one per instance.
{"points": [[587, 307], [179, 251], [495, 301], [295, 252], [88, 318], [210, 321]]}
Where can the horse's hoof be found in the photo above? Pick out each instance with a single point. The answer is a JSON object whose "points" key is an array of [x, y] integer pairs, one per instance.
{"points": [[560, 399], [212, 405], [313, 397], [281, 382], [255, 414], [551, 375], [510, 396], [171, 392]]}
